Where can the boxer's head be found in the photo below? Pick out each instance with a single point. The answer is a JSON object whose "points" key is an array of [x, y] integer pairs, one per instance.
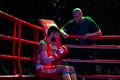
{"points": [[53, 33]]}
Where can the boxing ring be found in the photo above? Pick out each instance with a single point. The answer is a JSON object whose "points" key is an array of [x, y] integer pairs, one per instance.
{"points": [[17, 39]]}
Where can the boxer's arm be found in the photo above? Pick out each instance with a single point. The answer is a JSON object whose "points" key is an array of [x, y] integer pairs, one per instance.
{"points": [[43, 55]]}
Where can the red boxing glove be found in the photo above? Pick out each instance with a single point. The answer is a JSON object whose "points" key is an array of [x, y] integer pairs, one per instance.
{"points": [[62, 52]]}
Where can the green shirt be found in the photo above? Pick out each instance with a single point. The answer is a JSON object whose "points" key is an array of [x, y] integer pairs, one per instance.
{"points": [[88, 25]]}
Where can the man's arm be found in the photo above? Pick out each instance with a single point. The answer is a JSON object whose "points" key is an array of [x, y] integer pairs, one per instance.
{"points": [[96, 31], [64, 34], [43, 54], [88, 35], [63, 30]]}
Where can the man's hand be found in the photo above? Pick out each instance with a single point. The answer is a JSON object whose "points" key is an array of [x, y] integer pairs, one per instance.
{"points": [[64, 34], [86, 36]]}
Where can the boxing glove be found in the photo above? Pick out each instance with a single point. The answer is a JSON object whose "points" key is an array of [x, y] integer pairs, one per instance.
{"points": [[61, 52]]}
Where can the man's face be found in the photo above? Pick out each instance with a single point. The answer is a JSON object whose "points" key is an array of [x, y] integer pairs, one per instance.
{"points": [[77, 16], [55, 36]]}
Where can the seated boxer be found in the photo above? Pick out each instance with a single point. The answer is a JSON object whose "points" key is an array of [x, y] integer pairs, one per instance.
{"points": [[44, 58]]}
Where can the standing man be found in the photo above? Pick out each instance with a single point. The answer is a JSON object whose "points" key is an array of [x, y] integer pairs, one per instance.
{"points": [[84, 26], [45, 58]]}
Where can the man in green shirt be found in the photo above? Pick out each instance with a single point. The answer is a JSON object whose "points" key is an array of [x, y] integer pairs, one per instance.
{"points": [[84, 26]]}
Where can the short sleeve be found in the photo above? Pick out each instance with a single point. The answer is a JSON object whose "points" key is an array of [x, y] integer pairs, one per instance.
{"points": [[93, 25]]}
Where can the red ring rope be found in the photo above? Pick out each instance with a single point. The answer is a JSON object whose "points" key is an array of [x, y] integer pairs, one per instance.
{"points": [[92, 61], [99, 76], [110, 37], [95, 46]]}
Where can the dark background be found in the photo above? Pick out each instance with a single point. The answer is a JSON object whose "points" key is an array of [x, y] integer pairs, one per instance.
{"points": [[106, 13]]}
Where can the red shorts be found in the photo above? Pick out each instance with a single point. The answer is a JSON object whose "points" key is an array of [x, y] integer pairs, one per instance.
{"points": [[47, 72]]}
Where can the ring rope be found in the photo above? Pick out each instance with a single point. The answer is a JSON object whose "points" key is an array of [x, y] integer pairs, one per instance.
{"points": [[92, 61], [9, 57], [4, 37], [12, 18], [100, 76], [94, 46], [110, 37], [17, 76]]}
